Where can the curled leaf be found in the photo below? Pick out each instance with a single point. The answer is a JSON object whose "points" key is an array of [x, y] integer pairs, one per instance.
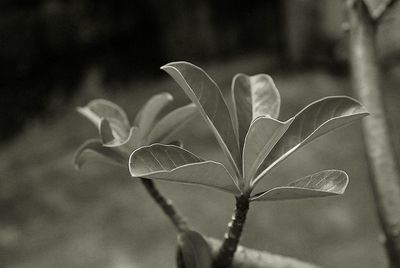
{"points": [[253, 96], [96, 146], [320, 184], [175, 164], [99, 109], [105, 131]]}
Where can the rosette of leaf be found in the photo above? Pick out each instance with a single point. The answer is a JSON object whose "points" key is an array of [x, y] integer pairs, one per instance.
{"points": [[253, 140], [118, 138]]}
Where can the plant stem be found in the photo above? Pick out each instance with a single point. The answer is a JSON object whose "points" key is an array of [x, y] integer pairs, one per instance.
{"points": [[228, 248], [166, 206], [385, 178]]}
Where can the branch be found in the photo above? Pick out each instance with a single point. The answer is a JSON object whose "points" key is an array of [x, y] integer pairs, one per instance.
{"points": [[228, 248], [385, 177], [251, 258], [166, 206]]}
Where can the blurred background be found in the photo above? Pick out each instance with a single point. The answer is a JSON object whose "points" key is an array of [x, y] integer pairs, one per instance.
{"points": [[56, 55]]}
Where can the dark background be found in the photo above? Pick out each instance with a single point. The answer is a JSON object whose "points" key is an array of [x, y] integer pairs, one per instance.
{"points": [[48, 46], [55, 55]]}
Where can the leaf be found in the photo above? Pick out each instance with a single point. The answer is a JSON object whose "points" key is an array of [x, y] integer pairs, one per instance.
{"points": [[99, 109], [320, 184], [105, 131], [263, 134], [175, 164], [313, 121], [253, 96], [377, 7], [129, 145], [94, 145], [147, 116], [195, 250], [177, 143], [205, 93], [169, 124]]}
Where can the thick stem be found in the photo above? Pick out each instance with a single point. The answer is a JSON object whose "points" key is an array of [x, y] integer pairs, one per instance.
{"points": [[385, 178], [166, 206], [228, 248]]}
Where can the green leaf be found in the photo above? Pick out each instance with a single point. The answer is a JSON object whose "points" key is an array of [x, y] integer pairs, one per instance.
{"points": [[99, 109], [82, 155], [313, 121], [253, 96], [195, 250], [147, 116], [262, 136], [205, 93], [320, 184], [175, 164], [377, 7], [171, 123]]}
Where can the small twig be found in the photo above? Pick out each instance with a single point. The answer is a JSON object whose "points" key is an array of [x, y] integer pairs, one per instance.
{"points": [[385, 178], [228, 248], [166, 206]]}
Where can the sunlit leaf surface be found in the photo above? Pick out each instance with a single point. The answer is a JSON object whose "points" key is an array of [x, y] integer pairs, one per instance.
{"points": [[263, 134], [169, 124], [204, 92], [320, 184], [147, 117], [313, 121], [253, 96], [174, 164]]}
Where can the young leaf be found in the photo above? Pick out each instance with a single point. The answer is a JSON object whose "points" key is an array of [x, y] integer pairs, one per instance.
{"points": [[253, 96], [99, 109], [127, 146], [313, 121], [262, 136], [169, 124], [147, 116], [105, 131], [195, 250], [96, 146], [320, 184], [205, 93], [175, 164]]}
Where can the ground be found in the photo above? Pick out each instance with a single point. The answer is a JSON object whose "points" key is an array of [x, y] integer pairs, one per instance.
{"points": [[55, 216]]}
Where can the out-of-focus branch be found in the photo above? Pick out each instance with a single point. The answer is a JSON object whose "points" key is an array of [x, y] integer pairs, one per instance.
{"points": [[251, 258], [166, 206], [385, 176]]}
